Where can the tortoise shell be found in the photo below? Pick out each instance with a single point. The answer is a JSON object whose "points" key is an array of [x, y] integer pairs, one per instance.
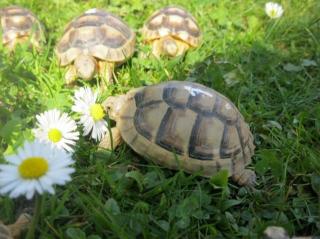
{"points": [[98, 33], [189, 122], [18, 22], [172, 21], [5, 232], [14, 230]]}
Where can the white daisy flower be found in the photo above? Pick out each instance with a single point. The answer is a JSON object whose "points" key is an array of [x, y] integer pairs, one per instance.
{"points": [[92, 10], [273, 10], [57, 129], [92, 113], [35, 168]]}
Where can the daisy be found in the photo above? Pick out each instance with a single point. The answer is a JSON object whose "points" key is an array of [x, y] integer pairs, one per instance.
{"points": [[35, 168], [57, 129], [273, 10], [92, 113]]}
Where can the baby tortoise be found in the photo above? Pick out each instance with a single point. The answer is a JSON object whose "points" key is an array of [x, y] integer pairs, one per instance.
{"points": [[183, 125], [171, 31], [14, 231], [95, 41], [20, 25]]}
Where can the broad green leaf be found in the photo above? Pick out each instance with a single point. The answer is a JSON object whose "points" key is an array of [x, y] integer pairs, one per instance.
{"points": [[93, 237], [262, 166], [112, 206], [232, 78], [213, 231], [138, 177], [307, 62], [164, 225], [75, 233], [253, 23], [226, 204], [292, 68], [269, 160], [220, 179], [12, 126], [315, 183], [183, 222]]}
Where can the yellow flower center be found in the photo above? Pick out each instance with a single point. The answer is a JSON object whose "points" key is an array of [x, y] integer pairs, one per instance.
{"points": [[33, 168], [96, 112], [273, 13], [54, 135]]}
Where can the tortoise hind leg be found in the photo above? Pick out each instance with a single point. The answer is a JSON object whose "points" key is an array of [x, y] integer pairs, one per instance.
{"points": [[245, 177], [111, 141]]}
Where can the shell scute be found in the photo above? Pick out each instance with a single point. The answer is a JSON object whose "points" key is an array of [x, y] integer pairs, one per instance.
{"points": [[98, 33], [152, 94], [201, 103], [146, 118], [175, 129], [175, 97], [227, 112], [172, 21], [230, 143], [202, 145]]}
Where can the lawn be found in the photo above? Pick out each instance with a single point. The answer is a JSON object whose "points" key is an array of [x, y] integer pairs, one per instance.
{"points": [[268, 68]]}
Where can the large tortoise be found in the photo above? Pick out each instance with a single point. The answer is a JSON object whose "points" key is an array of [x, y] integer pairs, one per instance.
{"points": [[171, 31], [20, 25], [95, 41], [183, 124]]}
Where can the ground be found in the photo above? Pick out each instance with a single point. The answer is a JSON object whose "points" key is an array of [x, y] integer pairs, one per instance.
{"points": [[268, 68]]}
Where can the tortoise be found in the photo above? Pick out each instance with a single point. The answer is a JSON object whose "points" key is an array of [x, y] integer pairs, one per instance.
{"points": [[171, 31], [95, 41], [20, 25], [15, 230], [5, 232], [184, 125]]}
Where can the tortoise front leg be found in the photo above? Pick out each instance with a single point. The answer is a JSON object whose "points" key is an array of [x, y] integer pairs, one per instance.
{"points": [[106, 70], [182, 47], [111, 141], [71, 75], [11, 45], [35, 44], [157, 48]]}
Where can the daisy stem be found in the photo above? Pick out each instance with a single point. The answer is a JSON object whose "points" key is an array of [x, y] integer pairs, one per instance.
{"points": [[275, 23], [35, 218], [111, 138]]}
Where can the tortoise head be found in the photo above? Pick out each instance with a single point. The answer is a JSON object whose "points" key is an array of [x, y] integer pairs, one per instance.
{"points": [[113, 105], [85, 66], [170, 46]]}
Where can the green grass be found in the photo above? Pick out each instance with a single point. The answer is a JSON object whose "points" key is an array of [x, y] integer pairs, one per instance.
{"points": [[271, 72]]}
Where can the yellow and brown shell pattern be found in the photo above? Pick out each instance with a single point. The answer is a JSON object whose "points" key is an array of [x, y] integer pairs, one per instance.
{"points": [[98, 33], [172, 21], [197, 124], [20, 24]]}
